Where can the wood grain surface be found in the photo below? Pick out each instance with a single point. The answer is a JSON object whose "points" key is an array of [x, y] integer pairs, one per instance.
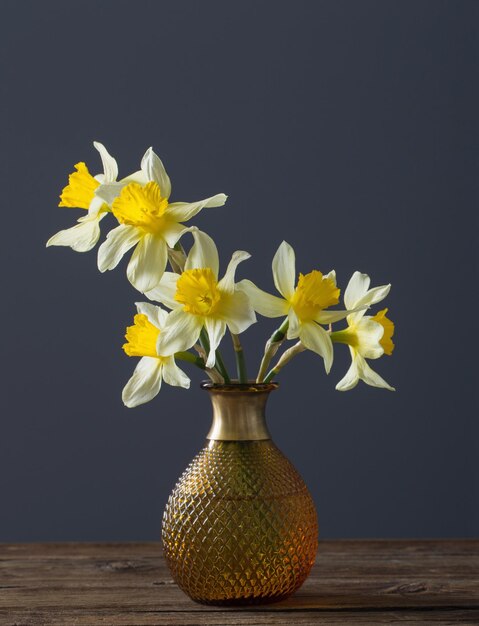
{"points": [[353, 582]]}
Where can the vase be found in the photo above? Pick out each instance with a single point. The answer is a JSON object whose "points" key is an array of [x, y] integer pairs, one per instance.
{"points": [[240, 526]]}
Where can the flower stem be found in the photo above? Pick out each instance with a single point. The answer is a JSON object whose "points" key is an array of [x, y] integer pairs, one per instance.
{"points": [[215, 376], [177, 258], [342, 336], [284, 360], [190, 358], [204, 341], [271, 347], [219, 365], [240, 360]]}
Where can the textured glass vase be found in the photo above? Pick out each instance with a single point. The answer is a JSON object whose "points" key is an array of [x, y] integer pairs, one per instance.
{"points": [[240, 527]]}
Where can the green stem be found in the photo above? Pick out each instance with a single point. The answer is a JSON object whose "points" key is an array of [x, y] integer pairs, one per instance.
{"points": [[205, 341], [272, 346], [271, 374], [177, 258], [178, 247], [342, 336], [284, 360], [240, 359], [219, 365], [191, 358], [280, 333]]}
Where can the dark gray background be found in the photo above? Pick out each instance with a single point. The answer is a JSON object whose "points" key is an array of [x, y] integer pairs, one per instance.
{"points": [[348, 128]]}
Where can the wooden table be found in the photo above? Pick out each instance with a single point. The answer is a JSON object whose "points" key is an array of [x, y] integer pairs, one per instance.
{"points": [[353, 582]]}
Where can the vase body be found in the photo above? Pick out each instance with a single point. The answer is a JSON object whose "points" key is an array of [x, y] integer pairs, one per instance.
{"points": [[240, 527]]}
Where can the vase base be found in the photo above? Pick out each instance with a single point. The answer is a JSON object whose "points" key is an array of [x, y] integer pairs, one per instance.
{"points": [[251, 601]]}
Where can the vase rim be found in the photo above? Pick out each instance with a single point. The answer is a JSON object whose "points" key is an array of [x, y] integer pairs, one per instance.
{"points": [[236, 386]]}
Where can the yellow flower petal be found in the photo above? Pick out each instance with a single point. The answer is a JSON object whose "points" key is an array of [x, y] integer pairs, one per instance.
{"points": [[385, 341], [80, 190], [141, 337], [197, 290], [141, 206], [314, 293]]}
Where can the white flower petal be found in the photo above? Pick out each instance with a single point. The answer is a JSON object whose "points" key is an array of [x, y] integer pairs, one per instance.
{"points": [[165, 290], [145, 383], [147, 263], [351, 378], [368, 335], [293, 325], [109, 191], [329, 317], [356, 289], [373, 296], [155, 171], [331, 276], [173, 375], [161, 316], [117, 243], [284, 270], [237, 312], [180, 332], [110, 167], [369, 376], [203, 253], [95, 207], [137, 177], [318, 340], [262, 302], [82, 237], [227, 283], [92, 218], [172, 232], [184, 211], [216, 329], [155, 314]]}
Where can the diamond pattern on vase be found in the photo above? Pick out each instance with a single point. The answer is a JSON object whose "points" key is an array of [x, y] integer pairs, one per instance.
{"points": [[240, 526]]}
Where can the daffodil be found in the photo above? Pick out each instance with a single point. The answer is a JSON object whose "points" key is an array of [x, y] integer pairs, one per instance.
{"points": [[81, 192], [199, 300], [153, 367], [304, 304], [148, 221], [368, 337]]}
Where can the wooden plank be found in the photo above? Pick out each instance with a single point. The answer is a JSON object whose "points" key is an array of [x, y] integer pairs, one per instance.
{"points": [[129, 583], [239, 618]]}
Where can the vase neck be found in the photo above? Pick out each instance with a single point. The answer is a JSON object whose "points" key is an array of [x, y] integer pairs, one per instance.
{"points": [[239, 412]]}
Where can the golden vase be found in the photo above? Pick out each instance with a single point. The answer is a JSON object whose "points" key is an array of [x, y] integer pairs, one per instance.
{"points": [[240, 527]]}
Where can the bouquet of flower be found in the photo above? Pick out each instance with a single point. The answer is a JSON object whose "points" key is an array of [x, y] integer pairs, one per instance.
{"points": [[201, 306]]}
